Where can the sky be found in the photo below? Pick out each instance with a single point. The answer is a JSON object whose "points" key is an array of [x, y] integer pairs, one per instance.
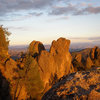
{"points": [[47, 20]]}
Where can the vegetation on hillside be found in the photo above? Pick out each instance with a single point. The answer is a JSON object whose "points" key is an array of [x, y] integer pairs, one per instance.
{"points": [[4, 42], [30, 77]]}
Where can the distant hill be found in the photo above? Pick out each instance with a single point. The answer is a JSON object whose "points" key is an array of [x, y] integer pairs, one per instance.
{"points": [[83, 45]]}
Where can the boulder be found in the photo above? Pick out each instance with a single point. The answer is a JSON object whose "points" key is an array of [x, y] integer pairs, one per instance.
{"points": [[62, 57], [88, 63], [35, 48], [93, 53], [11, 69], [47, 66], [78, 57], [57, 62]]}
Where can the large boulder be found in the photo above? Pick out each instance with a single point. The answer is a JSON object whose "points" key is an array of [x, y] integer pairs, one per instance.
{"points": [[56, 63], [76, 86], [47, 66], [35, 48], [88, 63], [62, 57]]}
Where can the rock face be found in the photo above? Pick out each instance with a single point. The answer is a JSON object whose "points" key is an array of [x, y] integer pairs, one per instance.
{"points": [[86, 59], [76, 86], [60, 51], [57, 62], [50, 65], [78, 57], [35, 48], [95, 53], [10, 73]]}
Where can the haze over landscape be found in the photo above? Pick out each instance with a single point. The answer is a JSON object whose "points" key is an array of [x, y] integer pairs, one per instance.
{"points": [[46, 20]]}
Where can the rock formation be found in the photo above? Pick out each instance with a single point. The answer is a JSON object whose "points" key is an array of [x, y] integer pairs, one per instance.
{"points": [[35, 48], [50, 66], [30, 76], [10, 73], [78, 57], [62, 57], [57, 62], [86, 59], [76, 86]]}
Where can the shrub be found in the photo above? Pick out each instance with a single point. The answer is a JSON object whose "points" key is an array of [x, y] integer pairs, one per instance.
{"points": [[4, 42], [31, 77]]}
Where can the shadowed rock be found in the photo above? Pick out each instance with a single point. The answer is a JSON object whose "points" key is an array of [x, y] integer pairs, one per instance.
{"points": [[4, 88], [35, 48], [86, 59], [76, 86]]}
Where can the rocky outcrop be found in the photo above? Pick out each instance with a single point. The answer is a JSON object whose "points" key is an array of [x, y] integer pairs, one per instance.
{"points": [[35, 48], [76, 86], [56, 62], [47, 67], [86, 59], [88, 63], [10, 72], [11, 69], [62, 57], [78, 57], [93, 53]]}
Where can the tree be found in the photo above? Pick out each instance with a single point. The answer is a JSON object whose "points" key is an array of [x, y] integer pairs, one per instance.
{"points": [[4, 41], [30, 76]]}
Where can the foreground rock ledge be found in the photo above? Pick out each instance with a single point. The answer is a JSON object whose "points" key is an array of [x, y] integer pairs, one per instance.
{"points": [[76, 86]]}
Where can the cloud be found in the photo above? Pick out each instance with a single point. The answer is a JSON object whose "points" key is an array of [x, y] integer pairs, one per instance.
{"points": [[74, 10], [89, 38], [18, 28], [20, 17], [7, 6], [88, 10], [60, 10], [94, 38], [63, 18], [36, 14], [50, 7], [85, 39]]}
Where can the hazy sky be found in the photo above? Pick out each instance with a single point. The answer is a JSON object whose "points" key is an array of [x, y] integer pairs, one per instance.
{"points": [[46, 20]]}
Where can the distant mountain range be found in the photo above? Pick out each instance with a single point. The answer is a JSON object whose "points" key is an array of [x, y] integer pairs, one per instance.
{"points": [[72, 46]]}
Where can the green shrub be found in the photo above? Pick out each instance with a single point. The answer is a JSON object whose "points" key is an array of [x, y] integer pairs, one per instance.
{"points": [[31, 77]]}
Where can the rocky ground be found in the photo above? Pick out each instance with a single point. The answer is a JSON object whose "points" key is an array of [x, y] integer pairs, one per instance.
{"points": [[83, 85]]}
